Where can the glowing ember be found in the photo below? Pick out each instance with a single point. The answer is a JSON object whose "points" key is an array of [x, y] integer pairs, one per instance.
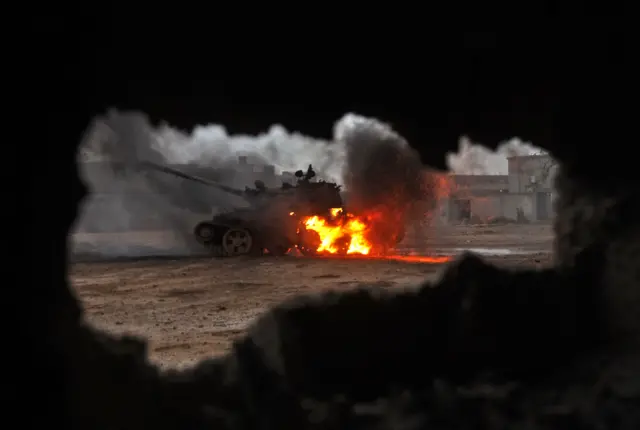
{"points": [[439, 259]]}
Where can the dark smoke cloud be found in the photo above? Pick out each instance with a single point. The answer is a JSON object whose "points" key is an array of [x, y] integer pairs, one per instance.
{"points": [[383, 174]]}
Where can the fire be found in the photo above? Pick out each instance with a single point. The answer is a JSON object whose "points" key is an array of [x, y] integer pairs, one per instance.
{"points": [[341, 231], [345, 233], [435, 259]]}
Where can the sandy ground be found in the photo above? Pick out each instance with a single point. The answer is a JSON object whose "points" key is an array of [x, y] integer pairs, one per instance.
{"points": [[192, 307]]}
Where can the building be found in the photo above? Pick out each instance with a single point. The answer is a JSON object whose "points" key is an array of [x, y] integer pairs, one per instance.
{"points": [[531, 173], [534, 176], [525, 194]]}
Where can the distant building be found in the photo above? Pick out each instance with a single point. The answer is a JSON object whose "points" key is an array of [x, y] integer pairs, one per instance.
{"points": [[528, 173], [525, 193]]}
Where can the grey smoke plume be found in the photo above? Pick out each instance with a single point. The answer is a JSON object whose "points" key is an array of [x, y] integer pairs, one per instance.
{"points": [[473, 159], [126, 195]]}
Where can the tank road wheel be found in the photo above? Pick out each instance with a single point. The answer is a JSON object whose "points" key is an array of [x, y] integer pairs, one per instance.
{"points": [[208, 235], [236, 242], [205, 233]]}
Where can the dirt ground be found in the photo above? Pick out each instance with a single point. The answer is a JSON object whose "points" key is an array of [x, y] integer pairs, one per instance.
{"points": [[192, 307]]}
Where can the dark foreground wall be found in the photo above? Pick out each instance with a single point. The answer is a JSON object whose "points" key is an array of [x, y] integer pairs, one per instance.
{"points": [[482, 348]]}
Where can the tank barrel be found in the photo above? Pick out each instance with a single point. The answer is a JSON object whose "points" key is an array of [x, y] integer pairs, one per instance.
{"points": [[178, 173]]}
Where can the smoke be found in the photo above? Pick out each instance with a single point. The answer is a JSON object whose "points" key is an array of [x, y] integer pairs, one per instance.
{"points": [[126, 196], [473, 159], [378, 169], [383, 175], [208, 145], [380, 172]]}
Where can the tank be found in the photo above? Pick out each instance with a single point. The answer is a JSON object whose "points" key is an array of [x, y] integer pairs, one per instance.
{"points": [[272, 221]]}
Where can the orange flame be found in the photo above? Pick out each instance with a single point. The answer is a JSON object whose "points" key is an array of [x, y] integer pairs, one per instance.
{"points": [[435, 259], [345, 233], [338, 234]]}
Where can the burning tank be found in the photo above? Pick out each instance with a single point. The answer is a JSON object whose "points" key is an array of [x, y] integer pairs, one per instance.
{"points": [[273, 221]]}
